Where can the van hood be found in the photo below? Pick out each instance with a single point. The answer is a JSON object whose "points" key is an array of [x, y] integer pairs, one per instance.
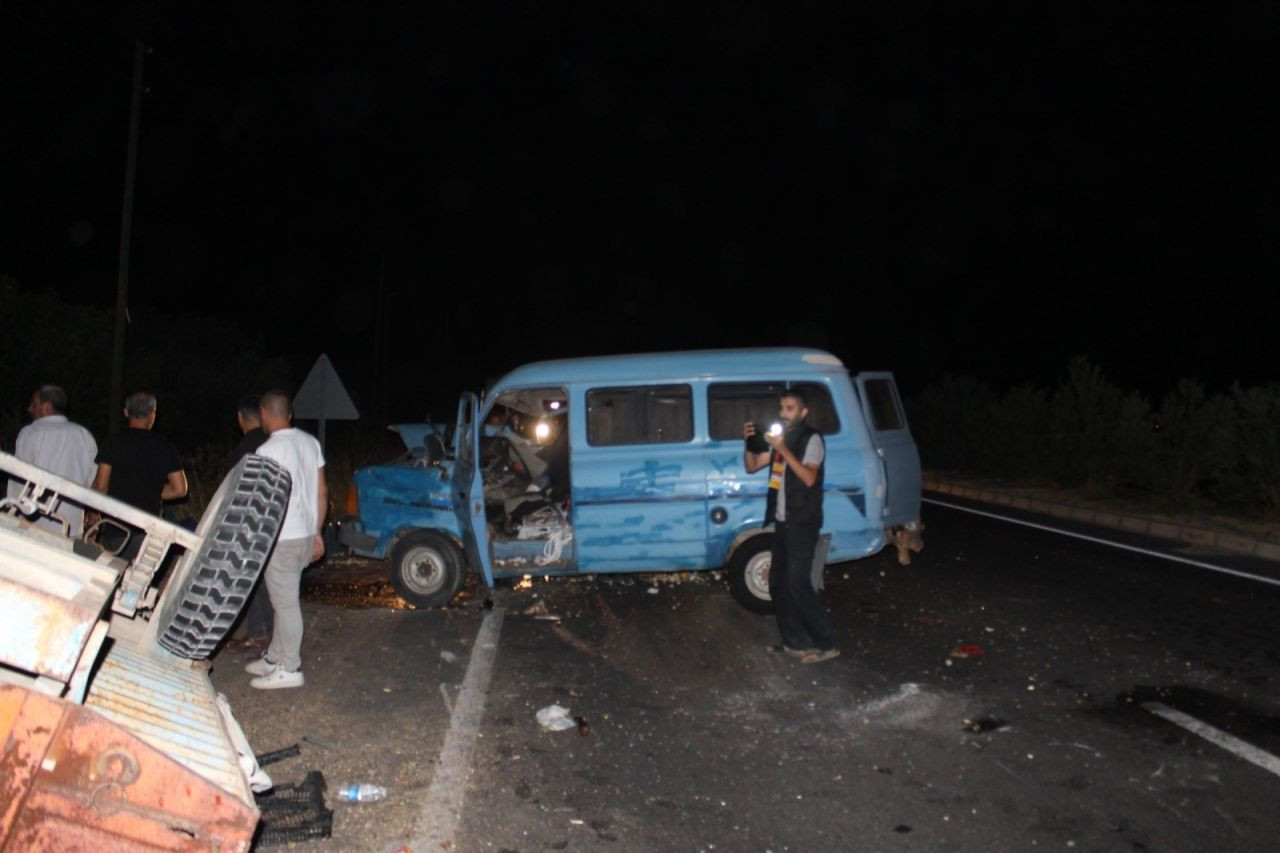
{"points": [[406, 482]]}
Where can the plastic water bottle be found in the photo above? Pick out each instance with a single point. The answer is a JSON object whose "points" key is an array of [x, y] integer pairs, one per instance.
{"points": [[362, 793]]}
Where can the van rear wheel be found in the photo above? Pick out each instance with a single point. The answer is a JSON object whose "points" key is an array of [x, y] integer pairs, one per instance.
{"points": [[426, 569], [749, 573]]}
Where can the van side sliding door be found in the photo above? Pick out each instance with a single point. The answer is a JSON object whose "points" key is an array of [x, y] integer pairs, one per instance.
{"points": [[639, 495]]}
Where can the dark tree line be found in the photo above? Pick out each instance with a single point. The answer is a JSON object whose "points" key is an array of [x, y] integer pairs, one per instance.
{"points": [[1193, 445], [198, 367]]}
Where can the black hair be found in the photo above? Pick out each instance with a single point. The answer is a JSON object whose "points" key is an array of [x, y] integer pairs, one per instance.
{"points": [[248, 406], [797, 395]]}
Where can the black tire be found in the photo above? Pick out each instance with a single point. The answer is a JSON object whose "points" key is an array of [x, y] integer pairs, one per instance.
{"points": [[426, 568], [749, 573], [210, 586]]}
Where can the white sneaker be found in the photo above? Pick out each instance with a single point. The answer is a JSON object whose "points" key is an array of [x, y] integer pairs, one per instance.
{"points": [[277, 678], [259, 666]]}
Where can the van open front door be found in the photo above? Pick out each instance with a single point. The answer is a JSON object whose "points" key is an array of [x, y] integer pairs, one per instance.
{"points": [[899, 458], [468, 488]]}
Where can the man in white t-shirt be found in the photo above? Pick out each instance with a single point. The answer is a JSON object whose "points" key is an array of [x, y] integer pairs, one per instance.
{"points": [[300, 543], [56, 444]]}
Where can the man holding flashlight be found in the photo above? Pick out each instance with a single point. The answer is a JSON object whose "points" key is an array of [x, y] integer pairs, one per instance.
{"points": [[795, 456]]}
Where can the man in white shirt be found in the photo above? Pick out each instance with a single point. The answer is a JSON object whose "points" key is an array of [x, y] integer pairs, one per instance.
{"points": [[300, 542], [56, 444]]}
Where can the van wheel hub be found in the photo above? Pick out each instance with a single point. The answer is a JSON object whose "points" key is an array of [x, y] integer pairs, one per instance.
{"points": [[749, 573], [424, 570], [757, 575]]}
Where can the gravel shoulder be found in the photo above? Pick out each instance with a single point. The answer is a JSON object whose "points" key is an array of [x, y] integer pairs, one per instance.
{"points": [[1262, 526]]}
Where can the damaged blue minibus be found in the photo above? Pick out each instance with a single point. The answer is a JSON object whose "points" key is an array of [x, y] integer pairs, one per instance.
{"points": [[633, 463]]}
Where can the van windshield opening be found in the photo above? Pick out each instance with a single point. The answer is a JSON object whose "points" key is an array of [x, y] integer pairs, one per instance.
{"points": [[524, 461]]}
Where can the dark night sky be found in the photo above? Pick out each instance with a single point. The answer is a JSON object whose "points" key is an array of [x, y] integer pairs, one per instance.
{"points": [[917, 186]]}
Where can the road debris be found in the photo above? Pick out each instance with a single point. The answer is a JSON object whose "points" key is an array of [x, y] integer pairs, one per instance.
{"points": [[986, 724], [278, 755], [294, 812], [555, 718]]}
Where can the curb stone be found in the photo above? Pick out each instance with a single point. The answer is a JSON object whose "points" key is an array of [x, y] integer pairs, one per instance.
{"points": [[1186, 534]]}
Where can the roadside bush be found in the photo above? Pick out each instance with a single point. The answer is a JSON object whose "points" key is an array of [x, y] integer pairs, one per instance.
{"points": [[952, 417], [348, 447], [205, 467], [1189, 448], [1103, 435], [1246, 450], [1020, 429], [1193, 447]]}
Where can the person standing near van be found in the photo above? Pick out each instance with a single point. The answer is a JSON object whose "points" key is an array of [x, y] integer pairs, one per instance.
{"points": [[56, 444], [794, 505], [139, 467], [257, 616], [300, 542]]}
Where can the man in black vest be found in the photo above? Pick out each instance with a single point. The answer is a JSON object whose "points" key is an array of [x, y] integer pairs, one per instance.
{"points": [[795, 507]]}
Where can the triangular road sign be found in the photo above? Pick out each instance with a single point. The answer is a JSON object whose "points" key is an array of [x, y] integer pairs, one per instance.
{"points": [[322, 396]]}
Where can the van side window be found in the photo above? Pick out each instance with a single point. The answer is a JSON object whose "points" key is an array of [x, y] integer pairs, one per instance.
{"points": [[651, 414], [731, 404], [883, 405]]}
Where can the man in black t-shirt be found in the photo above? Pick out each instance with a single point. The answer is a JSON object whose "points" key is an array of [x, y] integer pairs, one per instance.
{"points": [[138, 467], [258, 615], [251, 425]]}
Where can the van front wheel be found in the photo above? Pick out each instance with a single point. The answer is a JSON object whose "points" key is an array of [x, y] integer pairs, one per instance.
{"points": [[749, 573], [426, 569]]}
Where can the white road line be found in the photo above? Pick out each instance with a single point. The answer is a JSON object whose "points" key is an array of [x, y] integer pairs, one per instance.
{"points": [[1149, 553], [442, 809], [1232, 744]]}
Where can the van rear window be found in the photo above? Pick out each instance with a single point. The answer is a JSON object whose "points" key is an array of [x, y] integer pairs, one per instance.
{"points": [[884, 406], [731, 404], [649, 414]]}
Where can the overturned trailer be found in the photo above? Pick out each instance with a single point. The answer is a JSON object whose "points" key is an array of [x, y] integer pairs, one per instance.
{"points": [[113, 736]]}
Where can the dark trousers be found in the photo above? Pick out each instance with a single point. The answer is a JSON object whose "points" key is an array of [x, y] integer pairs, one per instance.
{"points": [[258, 614], [802, 621]]}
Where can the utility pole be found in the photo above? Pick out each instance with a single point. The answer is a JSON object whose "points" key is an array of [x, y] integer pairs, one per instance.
{"points": [[378, 381], [126, 229]]}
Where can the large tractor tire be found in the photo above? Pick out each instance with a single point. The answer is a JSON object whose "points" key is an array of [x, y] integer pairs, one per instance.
{"points": [[210, 585]]}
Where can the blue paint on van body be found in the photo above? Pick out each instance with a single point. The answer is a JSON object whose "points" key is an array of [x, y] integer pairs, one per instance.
{"points": [[673, 506]]}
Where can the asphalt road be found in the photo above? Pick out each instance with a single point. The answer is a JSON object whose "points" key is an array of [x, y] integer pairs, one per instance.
{"points": [[996, 694]]}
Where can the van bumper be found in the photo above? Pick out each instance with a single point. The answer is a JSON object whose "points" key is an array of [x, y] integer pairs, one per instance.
{"points": [[351, 533]]}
